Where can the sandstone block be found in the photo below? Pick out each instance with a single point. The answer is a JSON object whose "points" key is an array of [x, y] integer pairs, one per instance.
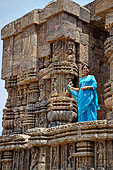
{"points": [[19, 24], [84, 14], [84, 39], [44, 50]]}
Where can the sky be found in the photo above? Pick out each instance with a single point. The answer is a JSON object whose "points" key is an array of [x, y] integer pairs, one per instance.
{"points": [[11, 10]]}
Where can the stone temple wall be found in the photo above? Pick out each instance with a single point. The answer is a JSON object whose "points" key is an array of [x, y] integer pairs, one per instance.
{"points": [[42, 52]]}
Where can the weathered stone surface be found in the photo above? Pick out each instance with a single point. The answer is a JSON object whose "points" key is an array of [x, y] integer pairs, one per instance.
{"points": [[103, 7], [21, 53], [42, 52], [84, 15], [109, 21], [7, 57], [40, 16], [21, 23]]}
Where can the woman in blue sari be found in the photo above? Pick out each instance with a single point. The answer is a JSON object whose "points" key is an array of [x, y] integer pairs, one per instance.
{"points": [[86, 96]]}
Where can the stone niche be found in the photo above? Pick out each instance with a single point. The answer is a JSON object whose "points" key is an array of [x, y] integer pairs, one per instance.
{"points": [[42, 52]]}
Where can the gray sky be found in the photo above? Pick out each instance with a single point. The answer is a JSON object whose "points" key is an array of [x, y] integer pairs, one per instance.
{"points": [[9, 11]]}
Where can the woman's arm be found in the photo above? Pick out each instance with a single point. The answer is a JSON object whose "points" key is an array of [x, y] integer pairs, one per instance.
{"points": [[72, 88], [87, 88]]}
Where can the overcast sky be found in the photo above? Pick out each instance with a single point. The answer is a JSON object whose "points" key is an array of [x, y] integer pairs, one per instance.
{"points": [[9, 11]]}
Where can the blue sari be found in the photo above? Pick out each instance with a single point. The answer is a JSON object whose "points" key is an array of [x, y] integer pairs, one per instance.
{"points": [[87, 99]]}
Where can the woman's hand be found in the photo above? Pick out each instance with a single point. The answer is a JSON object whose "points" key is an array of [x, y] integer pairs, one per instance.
{"points": [[72, 88], [87, 88]]}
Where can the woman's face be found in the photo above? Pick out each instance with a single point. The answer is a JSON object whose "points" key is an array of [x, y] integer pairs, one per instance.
{"points": [[85, 70]]}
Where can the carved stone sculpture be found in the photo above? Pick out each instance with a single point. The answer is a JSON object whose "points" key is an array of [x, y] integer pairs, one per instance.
{"points": [[42, 54]]}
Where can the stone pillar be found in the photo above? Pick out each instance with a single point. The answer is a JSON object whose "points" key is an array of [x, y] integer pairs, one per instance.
{"points": [[100, 155], [6, 160], [8, 117], [40, 158], [62, 108], [54, 157], [31, 95], [84, 155], [109, 54]]}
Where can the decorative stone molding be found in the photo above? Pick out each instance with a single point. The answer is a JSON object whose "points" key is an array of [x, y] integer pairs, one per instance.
{"points": [[42, 54]]}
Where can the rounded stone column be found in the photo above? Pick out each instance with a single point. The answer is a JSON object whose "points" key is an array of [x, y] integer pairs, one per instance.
{"points": [[108, 87]]}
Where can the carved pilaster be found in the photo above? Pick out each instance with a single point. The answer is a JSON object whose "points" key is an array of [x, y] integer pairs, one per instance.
{"points": [[84, 155], [70, 158], [32, 96], [109, 155], [41, 114], [8, 117], [54, 158], [109, 86], [39, 158], [100, 155], [108, 99], [42, 89], [17, 122], [63, 71], [35, 158], [7, 160], [21, 159], [8, 121]]}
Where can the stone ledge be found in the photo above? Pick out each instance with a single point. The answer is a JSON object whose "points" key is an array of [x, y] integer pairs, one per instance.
{"points": [[71, 127], [73, 132], [103, 7], [16, 141], [38, 16], [20, 24], [109, 21], [82, 154]]}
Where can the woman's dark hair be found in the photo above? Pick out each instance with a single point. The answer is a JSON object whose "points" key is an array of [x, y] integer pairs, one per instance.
{"points": [[84, 65]]}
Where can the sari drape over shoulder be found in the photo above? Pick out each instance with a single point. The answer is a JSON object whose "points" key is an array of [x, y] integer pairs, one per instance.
{"points": [[87, 99]]}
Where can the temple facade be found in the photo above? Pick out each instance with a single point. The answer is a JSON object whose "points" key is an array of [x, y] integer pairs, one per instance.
{"points": [[42, 52]]}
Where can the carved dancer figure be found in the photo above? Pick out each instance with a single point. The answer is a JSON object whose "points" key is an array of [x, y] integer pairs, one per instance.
{"points": [[35, 159], [86, 96]]}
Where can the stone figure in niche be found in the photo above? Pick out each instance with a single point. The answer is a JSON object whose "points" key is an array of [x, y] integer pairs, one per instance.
{"points": [[70, 55], [100, 153], [54, 157], [35, 152], [6, 165], [109, 164], [42, 90], [71, 158], [82, 162], [56, 48], [71, 51], [86, 96], [54, 86], [17, 123]]}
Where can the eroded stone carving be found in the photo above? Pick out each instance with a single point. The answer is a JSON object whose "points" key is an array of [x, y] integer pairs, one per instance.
{"points": [[42, 52], [35, 158]]}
